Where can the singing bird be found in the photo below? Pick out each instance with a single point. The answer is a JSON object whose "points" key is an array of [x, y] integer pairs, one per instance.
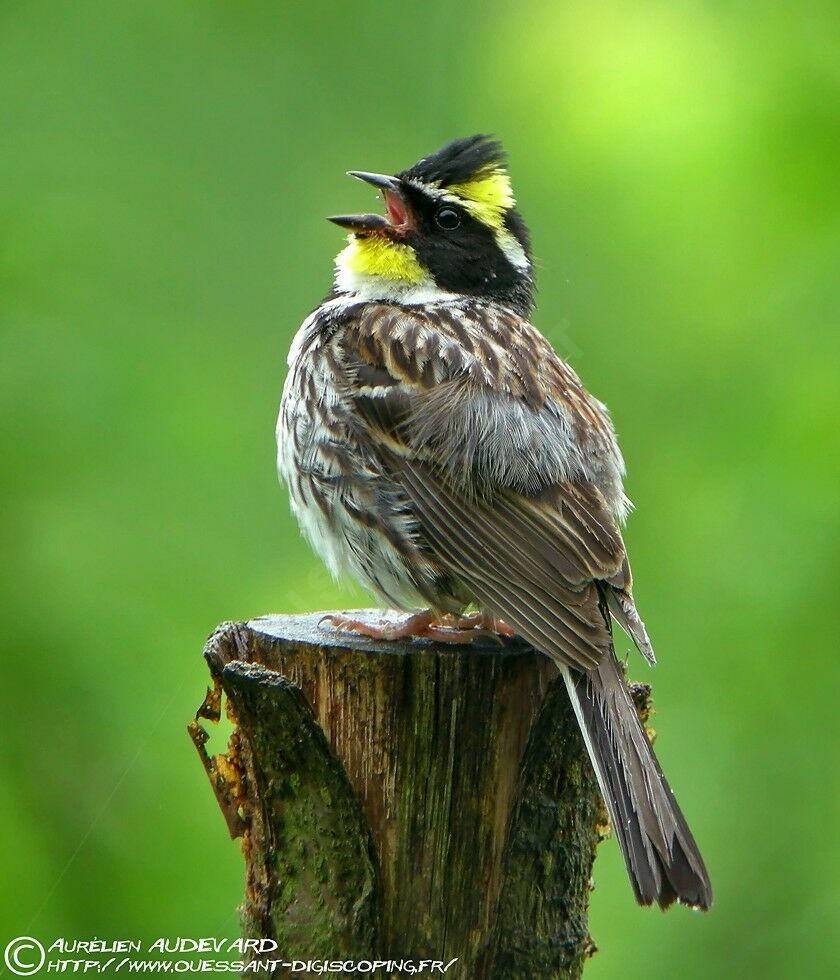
{"points": [[437, 448]]}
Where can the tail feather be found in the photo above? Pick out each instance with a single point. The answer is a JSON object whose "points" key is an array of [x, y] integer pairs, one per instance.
{"points": [[662, 858]]}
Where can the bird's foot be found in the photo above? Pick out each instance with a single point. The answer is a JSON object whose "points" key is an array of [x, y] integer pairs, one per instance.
{"points": [[413, 625], [485, 624], [446, 629]]}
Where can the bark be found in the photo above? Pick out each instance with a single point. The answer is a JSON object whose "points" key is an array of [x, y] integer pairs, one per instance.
{"points": [[404, 800]]}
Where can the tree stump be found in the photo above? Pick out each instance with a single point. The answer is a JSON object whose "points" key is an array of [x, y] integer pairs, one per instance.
{"points": [[404, 800]]}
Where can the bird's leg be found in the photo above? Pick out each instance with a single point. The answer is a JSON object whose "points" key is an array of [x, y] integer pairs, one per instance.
{"points": [[446, 629]]}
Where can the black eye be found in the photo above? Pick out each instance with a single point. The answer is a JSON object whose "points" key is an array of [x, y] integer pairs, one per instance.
{"points": [[447, 219]]}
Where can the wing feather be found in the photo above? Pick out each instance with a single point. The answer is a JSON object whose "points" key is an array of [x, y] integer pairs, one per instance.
{"points": [[498, 479], [510, 570]]}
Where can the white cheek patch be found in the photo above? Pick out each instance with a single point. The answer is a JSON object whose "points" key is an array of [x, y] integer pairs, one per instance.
{"points": [[513, 250]]}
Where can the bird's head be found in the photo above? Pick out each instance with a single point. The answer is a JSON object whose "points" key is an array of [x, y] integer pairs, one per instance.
{"points": [[451, 228]]}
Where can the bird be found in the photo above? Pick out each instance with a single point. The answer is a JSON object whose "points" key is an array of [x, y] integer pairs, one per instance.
{"points": [[439, 450]]}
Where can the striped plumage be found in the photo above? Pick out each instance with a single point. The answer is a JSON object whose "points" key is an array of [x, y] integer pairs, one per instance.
{"points": [[438, 449]]}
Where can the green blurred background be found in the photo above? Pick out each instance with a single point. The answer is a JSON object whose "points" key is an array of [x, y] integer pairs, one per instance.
{"points": [[165, 169]]}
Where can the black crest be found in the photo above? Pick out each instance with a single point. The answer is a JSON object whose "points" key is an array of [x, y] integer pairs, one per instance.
{"points": [[458, 161]]}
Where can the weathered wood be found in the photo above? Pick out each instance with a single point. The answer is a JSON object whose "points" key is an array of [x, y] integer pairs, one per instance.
{"points": [[405, 799]]}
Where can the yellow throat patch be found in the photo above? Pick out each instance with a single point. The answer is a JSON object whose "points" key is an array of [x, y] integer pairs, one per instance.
{"points": [[370, 255]]}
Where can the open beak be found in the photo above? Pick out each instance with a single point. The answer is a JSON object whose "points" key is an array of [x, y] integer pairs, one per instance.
{"points": [[397, 217]]}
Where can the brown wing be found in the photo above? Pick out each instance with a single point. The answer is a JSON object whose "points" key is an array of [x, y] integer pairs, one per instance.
{"points": [[543, 584], [495, 477]]}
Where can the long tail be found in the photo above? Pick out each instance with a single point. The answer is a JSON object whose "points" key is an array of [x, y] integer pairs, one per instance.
{"points": [[662, 859]]}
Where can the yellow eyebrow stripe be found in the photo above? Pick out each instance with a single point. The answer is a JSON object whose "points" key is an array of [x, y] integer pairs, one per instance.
{"points": [[487, 196]]}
